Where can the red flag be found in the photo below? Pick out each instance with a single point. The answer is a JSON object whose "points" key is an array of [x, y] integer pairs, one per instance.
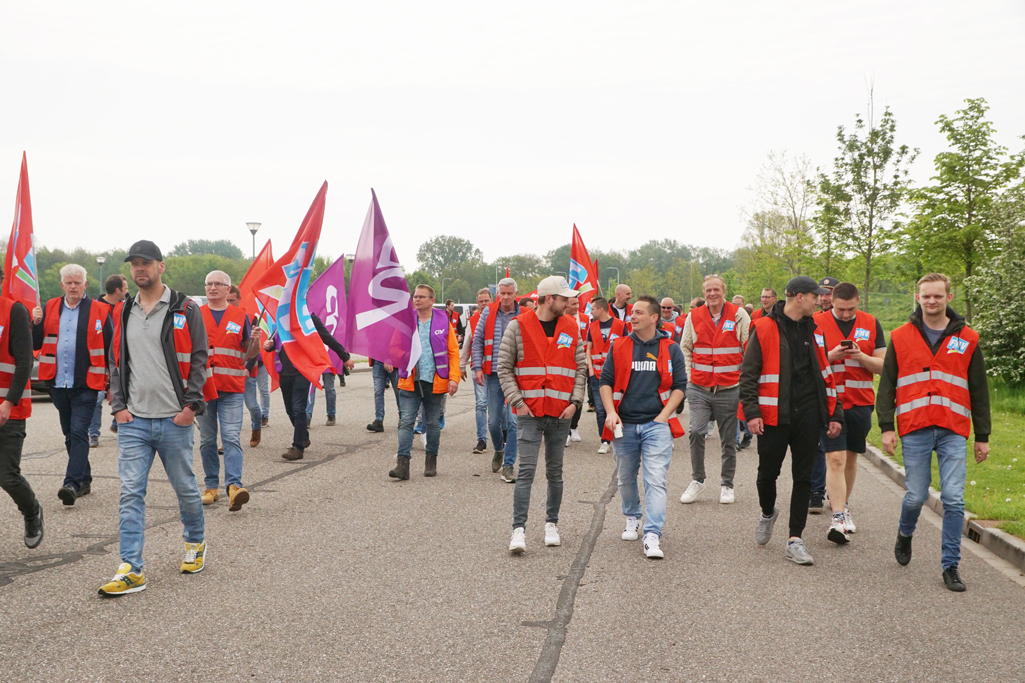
{"points": [[20, 280], [249, 303], [583, 272], [282, 291], [507, 271]]}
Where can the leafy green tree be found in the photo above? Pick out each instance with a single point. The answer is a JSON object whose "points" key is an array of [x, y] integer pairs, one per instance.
{"points": [[223, 248], [440, 252], [867, 187], [953, 216], [188, 273]]}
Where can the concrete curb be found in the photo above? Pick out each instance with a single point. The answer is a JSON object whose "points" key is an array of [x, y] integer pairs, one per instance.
{"points": [[998, 542]]}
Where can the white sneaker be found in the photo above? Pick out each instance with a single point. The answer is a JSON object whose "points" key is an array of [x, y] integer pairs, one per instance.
{"points": [[651, 549], [726, 496], [518, 543], [552, 534], [848, 521], [837, 532], [633, 525], [574, 434], [692, 492], [568, 438], [604, 448]]}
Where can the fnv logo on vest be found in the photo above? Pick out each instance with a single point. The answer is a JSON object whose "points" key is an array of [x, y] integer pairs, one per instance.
{"points": [[957, 345], [820, 340], [861, 334], [99, 326], [233, 328], [564, 341], [728, 325], [179, 321]]}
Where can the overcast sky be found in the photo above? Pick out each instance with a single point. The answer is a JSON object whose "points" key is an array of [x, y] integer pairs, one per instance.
{"points": [[501, 123]]}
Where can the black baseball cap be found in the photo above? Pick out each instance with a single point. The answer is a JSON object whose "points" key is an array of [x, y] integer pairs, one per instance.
{"points": [[144, 249], [829, 282], [802, 284]]}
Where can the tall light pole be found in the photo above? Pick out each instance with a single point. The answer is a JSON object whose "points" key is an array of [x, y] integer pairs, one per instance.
{"points": [[101, 260], [612, 291], [443, 288], [253, 227]]}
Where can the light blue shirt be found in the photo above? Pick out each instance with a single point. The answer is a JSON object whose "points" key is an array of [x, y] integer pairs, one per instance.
{"points": [[67, 346], [425, 367]]}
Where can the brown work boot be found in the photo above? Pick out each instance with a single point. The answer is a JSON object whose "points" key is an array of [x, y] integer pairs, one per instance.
{"points": [[237, 497], [293, 454], [401, 469], [431, 465], [209, 496], [254, 439]]}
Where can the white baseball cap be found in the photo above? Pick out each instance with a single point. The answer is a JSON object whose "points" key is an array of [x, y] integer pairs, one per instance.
{"points": [[556, 285]]}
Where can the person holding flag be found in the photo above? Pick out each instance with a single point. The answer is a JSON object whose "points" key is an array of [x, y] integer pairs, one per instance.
{"points": [[602, 331], [433, 373]]}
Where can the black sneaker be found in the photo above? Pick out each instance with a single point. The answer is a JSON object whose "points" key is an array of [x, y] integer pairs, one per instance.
{"points": [[34, 528], [745, 442], [375, 426], [902, 551], [481, 446], [67, 494], [497, 460], [85, 489], [330, 421], [953, 580], [815, 505]]}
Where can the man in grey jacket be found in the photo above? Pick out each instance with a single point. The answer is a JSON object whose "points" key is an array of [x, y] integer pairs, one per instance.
{"points": [[541, 357], [157, 363], [487, 341]]}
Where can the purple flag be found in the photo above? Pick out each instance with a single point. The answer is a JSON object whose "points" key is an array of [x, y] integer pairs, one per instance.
{"points": [[326, 298], [381, 321]]}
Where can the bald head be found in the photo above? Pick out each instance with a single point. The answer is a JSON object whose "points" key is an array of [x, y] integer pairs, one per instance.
{"points": [[623, 295]]}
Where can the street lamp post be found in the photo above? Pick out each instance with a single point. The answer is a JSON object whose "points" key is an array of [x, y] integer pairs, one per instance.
{"points": [[612, 291], [443, 288], [253, 227], [101, 260]]}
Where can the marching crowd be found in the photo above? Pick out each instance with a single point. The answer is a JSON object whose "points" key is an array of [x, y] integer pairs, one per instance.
{"points": [[797, 373]]}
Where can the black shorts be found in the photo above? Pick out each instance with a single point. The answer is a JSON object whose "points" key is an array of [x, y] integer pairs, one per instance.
{"points": [[856, 426]]}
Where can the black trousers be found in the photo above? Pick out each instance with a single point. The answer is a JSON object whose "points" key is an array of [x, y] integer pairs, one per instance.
{"points": [[295, 391], [12, 437], [801, 436]]}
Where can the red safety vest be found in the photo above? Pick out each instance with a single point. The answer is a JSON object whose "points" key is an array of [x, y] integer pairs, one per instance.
{"points": [[96, 377], [472, 323], [932, 390], [599, 346], [717, 352], [23, 410], [227, 359], [767, 330], [489, 337], [623, 358], [547, 373], [455, 317], [626, 321], [757, 314], [182, 348], [582, 322], [853, 382]]}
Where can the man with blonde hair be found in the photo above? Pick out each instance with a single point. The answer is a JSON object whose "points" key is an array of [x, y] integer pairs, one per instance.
{"points": [[73, 337]]}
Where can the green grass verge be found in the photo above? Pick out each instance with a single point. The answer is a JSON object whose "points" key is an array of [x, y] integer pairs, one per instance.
{"points": [[995, 489]]}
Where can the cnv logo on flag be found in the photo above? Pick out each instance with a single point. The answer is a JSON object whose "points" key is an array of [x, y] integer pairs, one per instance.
{"points": [[234, 328], [564, 341], [861, 334], [729, 325], [957, 345], [179, 321]]}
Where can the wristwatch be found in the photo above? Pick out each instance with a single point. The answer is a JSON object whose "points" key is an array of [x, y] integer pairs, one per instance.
{"points": [[195, 405]]}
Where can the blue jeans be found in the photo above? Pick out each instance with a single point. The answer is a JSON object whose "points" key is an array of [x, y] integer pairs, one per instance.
{"points": [[226, 411], [137, 442], [480, 408], [951, 454], [328, 380], [381, 378], [599, 407], [500, 417], [252, 401], [649, 445], [97, 421], [76, 408], [263, 385], [409, 406]]}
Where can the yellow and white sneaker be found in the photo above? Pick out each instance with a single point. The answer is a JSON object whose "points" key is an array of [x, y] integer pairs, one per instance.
{"points": [[124, 582], [193, 560]]}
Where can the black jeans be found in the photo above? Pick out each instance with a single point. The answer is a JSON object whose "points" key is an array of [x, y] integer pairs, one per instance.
{"points": [[76, 408], [12, 437], [801, 436], [295, 391]]}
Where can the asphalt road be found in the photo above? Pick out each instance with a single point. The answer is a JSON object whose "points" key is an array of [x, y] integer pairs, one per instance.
{"points": [[334, 572]]}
